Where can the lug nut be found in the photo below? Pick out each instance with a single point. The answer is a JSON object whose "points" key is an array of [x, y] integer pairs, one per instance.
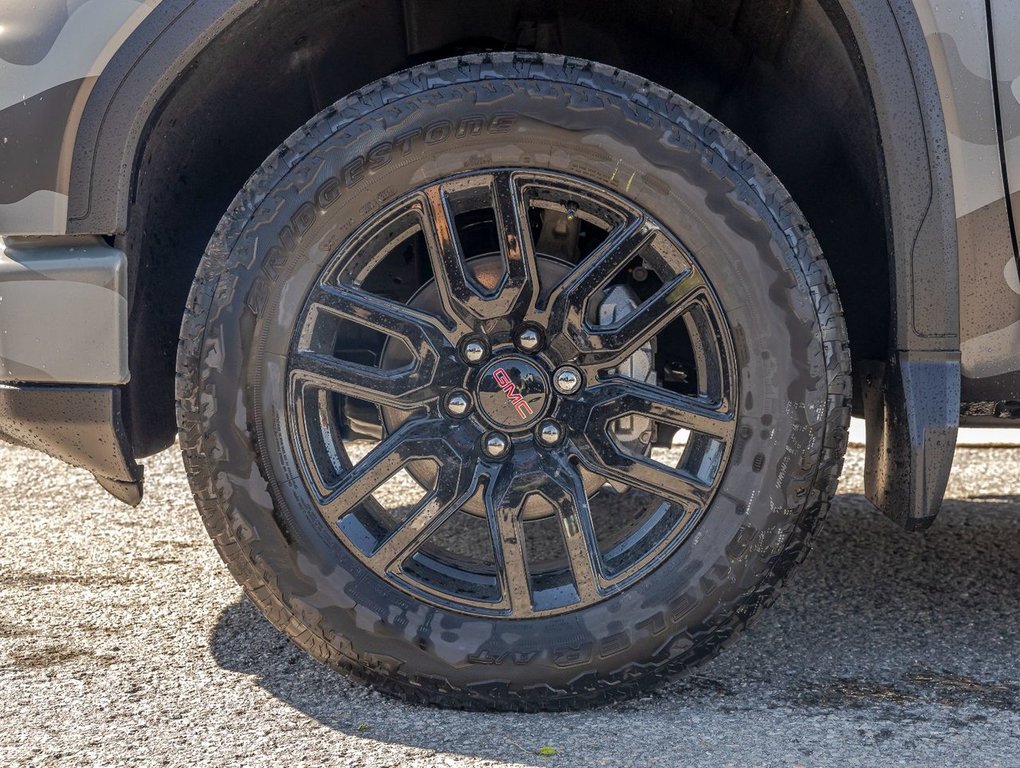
{"points": [[458, 403], [474, 351], [567, 381], [529, 339], [549, 433], [496, 445]]}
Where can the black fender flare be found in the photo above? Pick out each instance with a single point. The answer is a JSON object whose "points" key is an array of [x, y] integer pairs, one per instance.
{"points": [[125, 98], [911, 399]]}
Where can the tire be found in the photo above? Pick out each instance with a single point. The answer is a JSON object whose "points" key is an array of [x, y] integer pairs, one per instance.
{"points": [[605, 129]]}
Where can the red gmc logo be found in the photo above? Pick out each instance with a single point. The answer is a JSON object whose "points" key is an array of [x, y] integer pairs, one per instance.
{"points": [[516, 399]]}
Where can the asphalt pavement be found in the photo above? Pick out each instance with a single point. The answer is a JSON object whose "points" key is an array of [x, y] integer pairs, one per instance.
{"points": [[124, 641]]}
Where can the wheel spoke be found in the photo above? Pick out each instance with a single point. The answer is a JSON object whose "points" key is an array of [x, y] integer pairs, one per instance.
{"points": [[599, 453], [460, 296], [421, 331], [566, 492], [620, 396], [560, 484], [604, 458], [568, 300], [612, 346], [503, 502], [455, 291], [415, 439], [455, 484], [519, 290], [405, 388], [607, 347]]}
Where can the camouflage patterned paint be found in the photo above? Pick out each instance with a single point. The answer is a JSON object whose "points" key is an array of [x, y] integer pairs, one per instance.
{"points": [[957, 34], [1006, 31], [63, 311], [51, 52]]}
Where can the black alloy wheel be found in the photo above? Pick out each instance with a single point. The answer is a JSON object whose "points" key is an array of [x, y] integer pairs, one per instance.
{"points": [[504, 396], [513, 381]]}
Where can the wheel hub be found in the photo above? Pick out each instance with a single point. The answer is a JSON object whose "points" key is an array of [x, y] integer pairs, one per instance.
{"points": [[512, 393]]}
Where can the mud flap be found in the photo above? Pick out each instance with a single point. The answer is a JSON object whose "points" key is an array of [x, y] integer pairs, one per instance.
{"points": [[911, 410], [78, 425]]}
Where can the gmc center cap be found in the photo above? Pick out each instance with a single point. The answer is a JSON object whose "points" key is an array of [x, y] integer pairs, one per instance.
{"points": [[512, 393]]}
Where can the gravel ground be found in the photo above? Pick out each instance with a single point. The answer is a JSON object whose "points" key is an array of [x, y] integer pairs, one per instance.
{"points": [[123, 640]]}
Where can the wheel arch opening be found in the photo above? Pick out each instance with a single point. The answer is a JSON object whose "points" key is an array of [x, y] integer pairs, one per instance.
{"points": [[782, 74]]}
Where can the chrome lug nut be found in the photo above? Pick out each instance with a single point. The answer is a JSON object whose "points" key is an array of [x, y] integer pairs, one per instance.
{"points": [[529, 339], [458, 403], [474, 351], [567, 381], [496, 445], [549, 433]]}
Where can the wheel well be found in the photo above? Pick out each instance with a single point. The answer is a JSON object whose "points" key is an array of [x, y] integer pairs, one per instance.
{"points": [[778, 73]]}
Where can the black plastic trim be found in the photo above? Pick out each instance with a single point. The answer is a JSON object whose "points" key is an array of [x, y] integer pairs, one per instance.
{"points": [[911, 399], [112, 128], [990, 413], [1005, 386], [911, 415], [78, 425]]}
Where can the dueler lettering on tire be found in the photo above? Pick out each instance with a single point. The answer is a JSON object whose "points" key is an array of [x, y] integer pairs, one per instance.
{"points": [[513, 382]]}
